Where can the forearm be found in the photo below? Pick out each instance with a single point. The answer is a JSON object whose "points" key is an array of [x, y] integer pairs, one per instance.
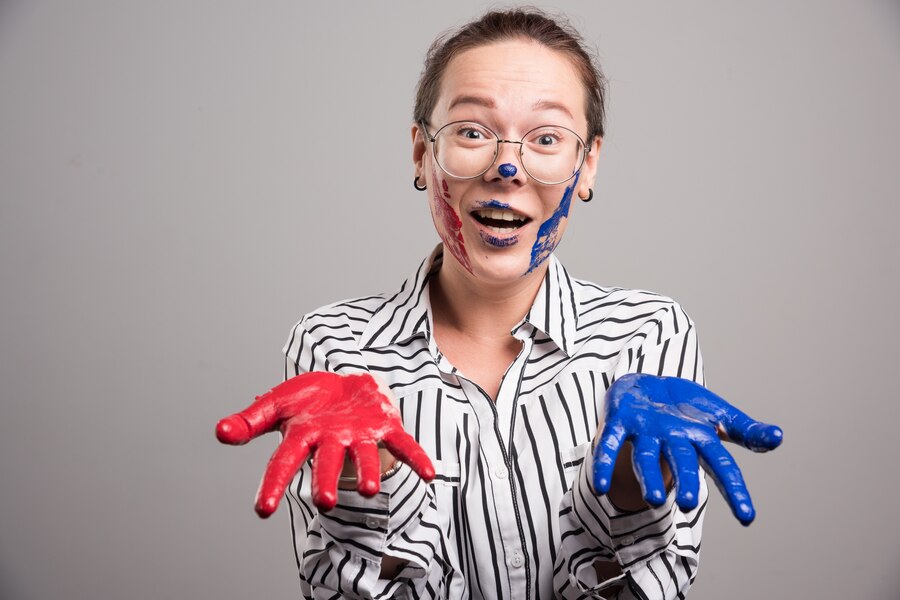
{"points": [[390, 565], [380, 536], [601, 541]]}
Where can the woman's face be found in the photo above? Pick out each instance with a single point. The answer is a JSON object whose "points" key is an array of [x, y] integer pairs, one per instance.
{"points": [[511, 87]]}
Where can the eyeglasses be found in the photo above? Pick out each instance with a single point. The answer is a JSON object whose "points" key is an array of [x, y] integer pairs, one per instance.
{"points": [[550, 154]]}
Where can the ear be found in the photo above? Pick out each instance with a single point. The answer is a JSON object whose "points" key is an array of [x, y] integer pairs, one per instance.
{"points": [[419, 147], [589, 168]]}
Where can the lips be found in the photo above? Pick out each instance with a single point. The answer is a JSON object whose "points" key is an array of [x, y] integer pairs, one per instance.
{"points": [[500, 221], [498, 225]]}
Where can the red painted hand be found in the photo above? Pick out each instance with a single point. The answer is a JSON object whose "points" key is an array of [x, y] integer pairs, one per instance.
{"points": [[328, 414]]}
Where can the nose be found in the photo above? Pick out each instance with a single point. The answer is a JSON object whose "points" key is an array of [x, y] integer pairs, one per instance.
{"points": [[504, 165], [507, 170]]}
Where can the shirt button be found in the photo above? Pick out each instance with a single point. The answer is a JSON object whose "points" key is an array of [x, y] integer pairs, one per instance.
{"points": [[372, 523], [627, 540], [501, 472], [516, 561]]}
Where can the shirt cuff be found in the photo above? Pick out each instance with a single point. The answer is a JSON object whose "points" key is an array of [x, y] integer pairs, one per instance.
{"points": [[634, 536], [369, 525]]}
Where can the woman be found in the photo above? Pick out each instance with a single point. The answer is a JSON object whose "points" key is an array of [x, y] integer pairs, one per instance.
{"points": [[492, 364]]}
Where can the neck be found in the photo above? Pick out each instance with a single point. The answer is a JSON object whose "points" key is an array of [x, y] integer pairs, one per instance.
{"points": [[481, 310]]}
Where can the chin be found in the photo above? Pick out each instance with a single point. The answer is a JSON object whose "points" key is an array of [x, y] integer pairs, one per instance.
{"points": [[505, 266]]}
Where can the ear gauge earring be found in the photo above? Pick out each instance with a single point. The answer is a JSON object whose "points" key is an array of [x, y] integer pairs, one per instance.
{"points": [[590, 196], [424, 187]]}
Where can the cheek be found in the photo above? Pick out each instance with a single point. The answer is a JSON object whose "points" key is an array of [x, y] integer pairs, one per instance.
{"points": [[550, 232], [447, 221]]}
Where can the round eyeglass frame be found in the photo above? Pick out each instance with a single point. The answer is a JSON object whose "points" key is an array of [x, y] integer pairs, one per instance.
{"points": [[585, 150]]}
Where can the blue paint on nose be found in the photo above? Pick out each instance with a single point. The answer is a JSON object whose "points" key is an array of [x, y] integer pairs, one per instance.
{"points": [[507, 170]]}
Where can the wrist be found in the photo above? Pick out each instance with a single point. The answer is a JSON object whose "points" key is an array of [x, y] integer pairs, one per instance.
{"points": [[389, 466]]}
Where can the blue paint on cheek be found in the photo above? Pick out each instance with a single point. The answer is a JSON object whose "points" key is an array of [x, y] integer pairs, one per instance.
{"points": [[548, 234], [493, 204], [507, 170]]}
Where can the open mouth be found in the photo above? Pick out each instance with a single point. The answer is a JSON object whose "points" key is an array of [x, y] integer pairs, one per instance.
{"points": [[500, 221]]}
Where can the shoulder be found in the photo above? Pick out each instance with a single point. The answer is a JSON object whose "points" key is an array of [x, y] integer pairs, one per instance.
{"points": [[621, 311], [340, 322], [354, 313]]}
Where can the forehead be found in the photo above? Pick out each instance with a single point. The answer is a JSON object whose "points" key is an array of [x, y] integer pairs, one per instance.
{"points": [[517, 78]]}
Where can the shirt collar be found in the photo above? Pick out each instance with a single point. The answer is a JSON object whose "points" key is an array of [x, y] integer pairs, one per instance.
{"points": [[554, 310], [408, 312]]}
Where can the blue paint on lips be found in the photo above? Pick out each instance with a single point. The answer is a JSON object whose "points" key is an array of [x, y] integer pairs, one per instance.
{"points": [[498, 242], [548, 234], [507, 170], [493, 204]]}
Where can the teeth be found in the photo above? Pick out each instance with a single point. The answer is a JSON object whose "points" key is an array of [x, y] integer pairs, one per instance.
{"points": [[503, 215]]}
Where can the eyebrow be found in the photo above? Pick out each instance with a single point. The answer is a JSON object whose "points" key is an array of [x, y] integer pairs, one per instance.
{"points": [[551, 105], [489, 103], [476, 100]]}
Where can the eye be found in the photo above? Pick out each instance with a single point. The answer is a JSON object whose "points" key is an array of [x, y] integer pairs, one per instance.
{"points": [[546, 136], [470, 134], [549, 140]]}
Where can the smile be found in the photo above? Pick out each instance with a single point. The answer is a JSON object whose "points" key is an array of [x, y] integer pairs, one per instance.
{"points": [[499, 227], [500, 221]]}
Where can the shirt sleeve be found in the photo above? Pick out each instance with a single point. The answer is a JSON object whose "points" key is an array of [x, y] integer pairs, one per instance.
{"points": [[656, 548], [339, 553]]}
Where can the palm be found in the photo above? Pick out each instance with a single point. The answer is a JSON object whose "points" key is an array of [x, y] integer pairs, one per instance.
{"points": [[330, 415], [679, 419]]}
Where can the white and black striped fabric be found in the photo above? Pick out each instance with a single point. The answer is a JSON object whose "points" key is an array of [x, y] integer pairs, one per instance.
{"points": [[511, 513]]}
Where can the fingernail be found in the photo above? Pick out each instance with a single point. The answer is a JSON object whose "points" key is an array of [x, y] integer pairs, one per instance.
{"points": [[232, 430], [325, 501], [368, 487], [266, 507]]}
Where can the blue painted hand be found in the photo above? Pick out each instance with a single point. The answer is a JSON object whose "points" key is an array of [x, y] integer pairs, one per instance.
{"points": [[681, 420]]}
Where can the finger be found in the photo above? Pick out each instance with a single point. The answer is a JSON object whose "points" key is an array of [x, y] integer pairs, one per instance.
{"points": [[746, 431], [682, 459], [329, 461], [405, 448], [284, 464], [364, 455], [739, 427], [729, 480], [264, 415], [645, 458], [611, 439], [241, 427], [759, 437]]}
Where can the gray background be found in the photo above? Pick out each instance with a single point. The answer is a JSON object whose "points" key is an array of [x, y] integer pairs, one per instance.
{"points": [[180, 181]]}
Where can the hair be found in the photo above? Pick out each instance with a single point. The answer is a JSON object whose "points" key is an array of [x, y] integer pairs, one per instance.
{"points": [[503, 25]]}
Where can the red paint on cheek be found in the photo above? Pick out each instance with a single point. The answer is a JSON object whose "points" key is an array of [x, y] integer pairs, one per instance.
{"points": [[451, 229]]}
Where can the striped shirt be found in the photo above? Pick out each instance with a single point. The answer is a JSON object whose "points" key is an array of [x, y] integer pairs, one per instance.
{"points": [[511, 512]]}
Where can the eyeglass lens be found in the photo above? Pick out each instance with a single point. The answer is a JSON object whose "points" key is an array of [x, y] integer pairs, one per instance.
{"points": [[549, 154]]}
